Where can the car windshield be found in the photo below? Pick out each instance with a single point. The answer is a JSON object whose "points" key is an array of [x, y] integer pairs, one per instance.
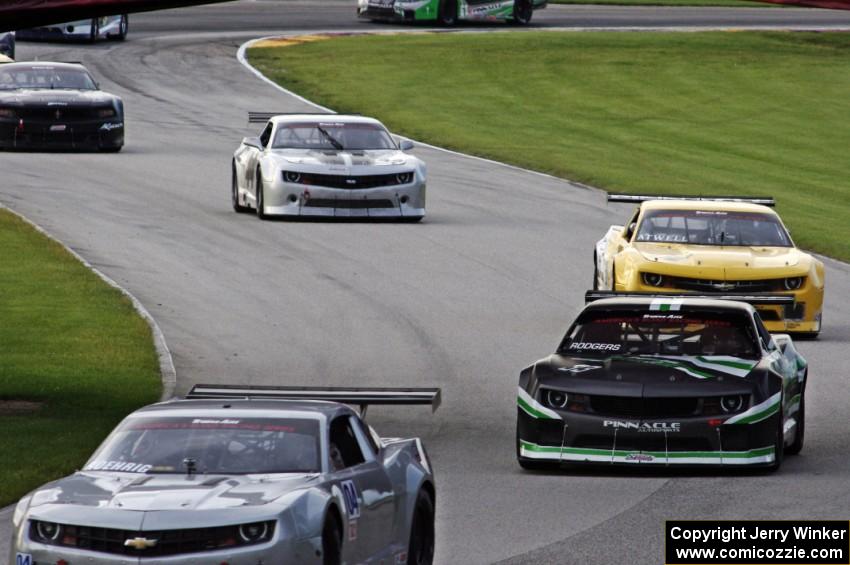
{"points": [[332, 137], [701, 227], [45, 77], [212, 445], [678, 333]]}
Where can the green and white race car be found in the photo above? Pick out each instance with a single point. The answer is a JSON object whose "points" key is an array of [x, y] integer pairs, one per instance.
{"points": [[449, 12]]}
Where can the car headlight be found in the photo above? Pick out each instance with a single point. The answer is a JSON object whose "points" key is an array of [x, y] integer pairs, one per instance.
{"points": [[556, 398], [652, 279], [404, 178], [732, 404], [47, 532], [7, 113], [291, 176], [106, 113], [253, 533], [793, 283]]}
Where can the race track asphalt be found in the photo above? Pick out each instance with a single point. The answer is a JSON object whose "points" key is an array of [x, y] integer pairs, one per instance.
{"points": [[485, 285]]}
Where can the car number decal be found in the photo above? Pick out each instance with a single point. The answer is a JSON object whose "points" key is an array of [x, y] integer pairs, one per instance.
{"points": [[349, 492], [23, 559]]}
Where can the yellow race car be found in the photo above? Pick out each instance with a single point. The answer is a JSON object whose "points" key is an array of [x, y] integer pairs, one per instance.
{"points": [[710, 246]]}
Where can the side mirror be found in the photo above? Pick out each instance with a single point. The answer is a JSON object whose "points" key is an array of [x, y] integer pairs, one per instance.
{"points": [[782, 341], [252, 142], [405, 145]]}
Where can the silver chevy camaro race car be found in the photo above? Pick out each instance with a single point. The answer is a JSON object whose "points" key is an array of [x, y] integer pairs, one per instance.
{"points": [[326, 165], [242, 476]]}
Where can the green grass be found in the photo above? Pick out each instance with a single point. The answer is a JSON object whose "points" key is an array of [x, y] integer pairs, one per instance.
{"points": [[718, 3], [70, 342], [692, 113]]}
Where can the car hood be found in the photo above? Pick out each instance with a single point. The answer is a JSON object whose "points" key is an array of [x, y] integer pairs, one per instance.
{"points": [[127, 491], [60, 98], [725, 261], [343, 161], [668, 375]]}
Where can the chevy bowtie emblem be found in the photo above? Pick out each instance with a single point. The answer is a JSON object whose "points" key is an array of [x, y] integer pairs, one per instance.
{"points": [[351, 181], [58, 114], [140, 543], [724, 286]]}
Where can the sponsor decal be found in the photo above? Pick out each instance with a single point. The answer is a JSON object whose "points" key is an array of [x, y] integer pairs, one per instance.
{"points": [[578, 368], [58, 128], [352, 530], [119, 466], [640, 457], [644, 426], [23, 559], [484, 9], [217, 422], [664, 317], [583, 345], [349, 493], [57, 103], [111, 126]]}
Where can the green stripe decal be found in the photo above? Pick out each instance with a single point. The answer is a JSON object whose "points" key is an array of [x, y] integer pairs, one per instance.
{"points": [[758, 412], [533, 408], [733, 364]]}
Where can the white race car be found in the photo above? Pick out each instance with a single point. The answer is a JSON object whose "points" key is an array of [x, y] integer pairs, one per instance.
{"points": [[326, 165], [106, 27]]}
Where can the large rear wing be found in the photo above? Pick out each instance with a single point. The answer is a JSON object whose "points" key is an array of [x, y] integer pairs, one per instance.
{"points": [[638, 198], [263, 117], [754, 298], [356, 396]]}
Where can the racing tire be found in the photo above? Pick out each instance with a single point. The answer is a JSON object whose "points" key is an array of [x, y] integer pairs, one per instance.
{"points": [[800, 431], [261, 205], [447, 13], [123, 28], [421, 548], [523, 11], [95, 30], [234, 194], [778, 442], [331, 542]]}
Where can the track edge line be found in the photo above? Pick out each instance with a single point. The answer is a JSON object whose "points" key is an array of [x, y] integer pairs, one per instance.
{"points": [[168, 373]]}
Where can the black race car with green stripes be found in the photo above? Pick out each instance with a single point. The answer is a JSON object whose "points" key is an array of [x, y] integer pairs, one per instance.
{"points": [[642, 379]]}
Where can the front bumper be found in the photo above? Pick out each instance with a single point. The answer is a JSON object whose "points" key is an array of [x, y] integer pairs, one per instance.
{"points": [[585, 438], [292, 199], [804, 316], [391, 10], [307, 551], [40, 134]]}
